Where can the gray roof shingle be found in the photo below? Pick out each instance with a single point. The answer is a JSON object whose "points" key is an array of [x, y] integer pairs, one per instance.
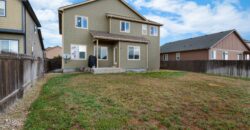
{"points": [[197, 43], [117, 37]]}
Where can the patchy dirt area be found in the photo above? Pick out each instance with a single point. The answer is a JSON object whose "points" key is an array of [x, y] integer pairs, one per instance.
{"points": [[15, 115]]}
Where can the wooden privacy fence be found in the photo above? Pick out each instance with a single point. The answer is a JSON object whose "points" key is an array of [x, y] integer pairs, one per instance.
{"points": [[53, 64], [16, 73], [226, 68]]}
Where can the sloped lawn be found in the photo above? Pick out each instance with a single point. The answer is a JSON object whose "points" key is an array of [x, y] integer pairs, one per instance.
{"points": [[156, 100]]}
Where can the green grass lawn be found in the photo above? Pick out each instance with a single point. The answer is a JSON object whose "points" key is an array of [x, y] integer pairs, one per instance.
{"points": [[155, 100]]}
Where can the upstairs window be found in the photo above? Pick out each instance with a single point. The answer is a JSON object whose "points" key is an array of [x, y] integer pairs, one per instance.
{"points": [[154, 31], [78, 52], [144, 29], [225, 55], [133, 53], [2, 8], [125, 26], [81, 22], [9, 46]]}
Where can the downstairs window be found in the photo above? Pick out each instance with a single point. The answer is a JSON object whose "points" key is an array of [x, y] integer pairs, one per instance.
{"points": [[78, 52], [9, 46], [134, 53]]}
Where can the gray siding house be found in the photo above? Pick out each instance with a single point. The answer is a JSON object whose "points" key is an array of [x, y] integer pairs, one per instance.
{"points": [[20, 29], [111, 30]]}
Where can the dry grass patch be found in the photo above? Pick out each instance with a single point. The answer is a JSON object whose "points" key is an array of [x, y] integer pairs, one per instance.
{"points": [[155, 100]]}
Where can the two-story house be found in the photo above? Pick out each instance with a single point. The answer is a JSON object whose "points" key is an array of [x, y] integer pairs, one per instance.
{"points": [[20, 29], [112, 31]]}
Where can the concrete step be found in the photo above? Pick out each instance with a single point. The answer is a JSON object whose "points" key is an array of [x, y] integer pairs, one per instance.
{"points": [[107, 70]]}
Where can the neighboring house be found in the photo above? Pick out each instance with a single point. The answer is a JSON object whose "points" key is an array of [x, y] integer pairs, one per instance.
{"points": [[111, 30], [227, 45], [52, 52], [19, 29]]}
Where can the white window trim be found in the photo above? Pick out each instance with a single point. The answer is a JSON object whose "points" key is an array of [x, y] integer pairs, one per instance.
{"points": [[101, 56], [155, 35], [128, 31], [145, 25], [225, 52], [4, 8], [213, 55], [134, 51], [165, 57], [76, 16], [247, 57], [240, 57], [86, 54], [9, 42], [176, 55]]}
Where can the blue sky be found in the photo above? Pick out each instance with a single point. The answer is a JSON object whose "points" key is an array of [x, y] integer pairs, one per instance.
{"points": [[181, 18]]}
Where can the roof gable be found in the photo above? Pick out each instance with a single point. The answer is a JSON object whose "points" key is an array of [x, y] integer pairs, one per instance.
{"points": [[238, 36], [231, 42], [199, 43], [122, 3], [30, 10], [91, 1]]}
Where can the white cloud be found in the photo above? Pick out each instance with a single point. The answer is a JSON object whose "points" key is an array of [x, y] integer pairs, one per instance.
{"points": [[46, 11], [187, 17], [180, 17]]}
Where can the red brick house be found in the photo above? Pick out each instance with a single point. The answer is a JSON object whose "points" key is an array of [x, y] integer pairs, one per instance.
{"points": [[227, 45]]}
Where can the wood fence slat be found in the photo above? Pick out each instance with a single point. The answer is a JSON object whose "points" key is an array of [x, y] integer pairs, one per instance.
{"points": [[14, 70], [227, 68]]}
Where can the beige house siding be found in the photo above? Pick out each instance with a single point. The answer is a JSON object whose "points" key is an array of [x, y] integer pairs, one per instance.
{"points": [[32, 38], [133, 64], [136, 30], [109, 61], [97, 20], [20, 39], [13, 19]]}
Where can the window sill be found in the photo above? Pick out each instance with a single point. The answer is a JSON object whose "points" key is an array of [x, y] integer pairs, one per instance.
{"points": [[102, 60], [134, 59], [81, 28], [78, 59], [124, 32]]}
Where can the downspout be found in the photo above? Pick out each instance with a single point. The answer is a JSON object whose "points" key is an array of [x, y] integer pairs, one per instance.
{"points": [[24, 28], [147, 58]]}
